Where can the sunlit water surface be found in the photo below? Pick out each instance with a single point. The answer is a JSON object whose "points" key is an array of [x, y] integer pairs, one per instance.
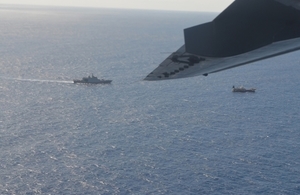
{"points": [[186, 136]]}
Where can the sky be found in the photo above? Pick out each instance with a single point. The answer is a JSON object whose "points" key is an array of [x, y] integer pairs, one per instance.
{"points": [[180, 5]]}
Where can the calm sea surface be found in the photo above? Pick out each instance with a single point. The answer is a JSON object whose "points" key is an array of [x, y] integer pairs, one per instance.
{"points": [[186, 136]]}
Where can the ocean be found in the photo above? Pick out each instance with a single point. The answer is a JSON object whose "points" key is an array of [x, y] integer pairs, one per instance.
{"points": [[185, 136]]}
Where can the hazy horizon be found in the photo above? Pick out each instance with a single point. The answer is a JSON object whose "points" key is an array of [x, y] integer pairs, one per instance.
{"points": [[178, 5]]}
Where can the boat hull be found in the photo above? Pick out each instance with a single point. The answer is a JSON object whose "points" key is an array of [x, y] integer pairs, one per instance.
{"points": [[95, 82], [243, 90]]}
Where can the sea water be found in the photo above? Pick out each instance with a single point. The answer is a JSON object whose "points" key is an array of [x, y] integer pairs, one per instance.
{"points": [[185, 136]]}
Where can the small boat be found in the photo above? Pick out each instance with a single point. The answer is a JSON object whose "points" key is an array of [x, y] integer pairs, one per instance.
{"points": [[242, 89], [92, 80]]}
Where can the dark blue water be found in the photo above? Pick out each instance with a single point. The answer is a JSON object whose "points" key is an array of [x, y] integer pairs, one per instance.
{"points": [[186, 136]]}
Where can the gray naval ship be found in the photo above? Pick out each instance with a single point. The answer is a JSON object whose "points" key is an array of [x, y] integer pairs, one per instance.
{"points": [[92, 80]]}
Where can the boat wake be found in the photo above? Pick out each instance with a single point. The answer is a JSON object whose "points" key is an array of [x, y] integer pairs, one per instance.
{"points": [[37, 80]]}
